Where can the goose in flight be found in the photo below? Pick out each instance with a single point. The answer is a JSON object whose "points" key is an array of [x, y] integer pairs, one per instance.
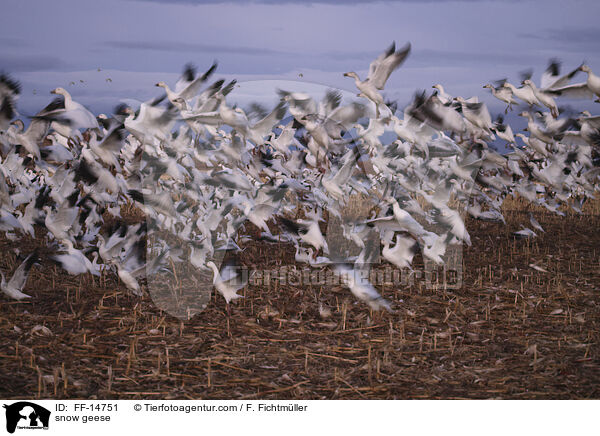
{"points": [[187, 87], [551, 79], [524, 93], [588, 89], [226, 281], [503, 131], [477, 114], [401, 255], [14, 287], [536, 225], [524, 233], [67, 115], [503, 94], [588, 133], [355, 280], [32, 136], [543, 97], [379, 72], [9, 91]]}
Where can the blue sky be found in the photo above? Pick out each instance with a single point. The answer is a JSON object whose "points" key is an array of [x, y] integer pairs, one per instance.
{"points": [[135, 43]]}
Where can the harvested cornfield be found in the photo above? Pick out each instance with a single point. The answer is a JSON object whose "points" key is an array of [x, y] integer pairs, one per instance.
{"points": [[524, 324]]}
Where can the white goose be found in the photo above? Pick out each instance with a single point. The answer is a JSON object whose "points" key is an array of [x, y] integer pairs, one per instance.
{"points": [[543, 97], [503, 94], [226, 282], [188, 86], [75, 114], [355, 280], [14, 287], [401, 255], [379, 72], [588, 89], [524, 93]]}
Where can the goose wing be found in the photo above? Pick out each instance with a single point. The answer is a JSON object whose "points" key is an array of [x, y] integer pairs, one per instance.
{"points": [[264, 126], [192, 88], [20, 276], [577, 90], [551, 78], [381, 68]]}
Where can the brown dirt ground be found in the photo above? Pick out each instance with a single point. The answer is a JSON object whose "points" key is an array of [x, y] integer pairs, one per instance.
{"points": [[510, 332]]}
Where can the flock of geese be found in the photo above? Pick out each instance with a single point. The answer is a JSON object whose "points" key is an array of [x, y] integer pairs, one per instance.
{"points": [[199, 169]]}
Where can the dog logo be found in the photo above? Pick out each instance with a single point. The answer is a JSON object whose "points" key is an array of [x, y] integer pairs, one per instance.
{"points": [[26, 415]]}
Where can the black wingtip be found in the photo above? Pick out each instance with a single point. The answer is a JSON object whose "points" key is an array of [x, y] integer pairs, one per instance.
{"points": [[391, 49], [32, 259], [11, 83], [554, 67], [189, 72]]}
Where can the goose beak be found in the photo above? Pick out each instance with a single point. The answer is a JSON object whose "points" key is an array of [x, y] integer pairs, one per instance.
{"points": [[53, 91], [346, 74]]}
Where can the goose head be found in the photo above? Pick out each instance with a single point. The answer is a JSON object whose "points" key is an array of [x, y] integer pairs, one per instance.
{"points": [[59, 91], [351, 74], [161, 85], [585, 68], [181, 102], [525, 115], [20, 126], [528, 82], [439, 87]]}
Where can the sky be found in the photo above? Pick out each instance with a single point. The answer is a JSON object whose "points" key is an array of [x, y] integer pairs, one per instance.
{"points": [[103, 52]]}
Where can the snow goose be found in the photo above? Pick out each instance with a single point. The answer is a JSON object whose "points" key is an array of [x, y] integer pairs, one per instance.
{"points": [[543, 97], [477, 114], [308, 231], [431, 111], [588, 89], [401, 255], [109, 147], [61, 222], [504, 131], [379, 72], [551, 78], [503, 94], [32, 137], [356, 280], [444, 97], [14, 287], [74, 114], [524, 93], [536, 225], [9, 91], [226, 282], [187, 87], [74, 261], [150, 122], [525, 233], [259, 130], [533, 142], [537, 130]]}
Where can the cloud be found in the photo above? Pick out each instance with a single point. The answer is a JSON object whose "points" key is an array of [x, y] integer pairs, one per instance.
{"points": [[308, 2], [19, 63], [435, 57], [580, 39], [7, 41], [187, 47]]}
